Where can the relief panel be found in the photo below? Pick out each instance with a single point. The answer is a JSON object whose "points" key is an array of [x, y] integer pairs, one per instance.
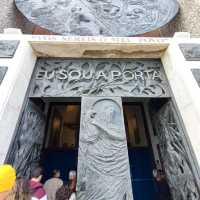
{"points": [[75, 78], [8, 48], [177, 165], [190, 51], [27, 145], [99, 17], [3, 71], [103, 164], [196, 74]]}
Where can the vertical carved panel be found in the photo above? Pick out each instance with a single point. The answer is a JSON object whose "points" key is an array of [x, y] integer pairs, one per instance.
{"points": [[196, 74], [175, 158], [103, 166], [3, 71], [8, 48], [28, 141]]}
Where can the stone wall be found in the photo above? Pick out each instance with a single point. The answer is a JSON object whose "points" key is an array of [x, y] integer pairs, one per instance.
{"points": [[186, 21], [10, 17]]}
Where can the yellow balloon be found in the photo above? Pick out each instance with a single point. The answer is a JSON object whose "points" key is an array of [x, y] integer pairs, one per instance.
{"points": [[7, 177]]}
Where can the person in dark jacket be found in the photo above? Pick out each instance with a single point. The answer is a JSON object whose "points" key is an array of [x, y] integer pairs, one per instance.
{"points": [[162, 186], [36, 189]]}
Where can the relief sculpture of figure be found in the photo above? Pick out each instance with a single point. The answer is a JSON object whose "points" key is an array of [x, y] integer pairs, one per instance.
{"points": [[179, 174], [104, 158], [29, 142], [99, 17], [176, 162]]}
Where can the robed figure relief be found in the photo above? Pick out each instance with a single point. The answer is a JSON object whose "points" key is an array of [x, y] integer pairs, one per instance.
{"points": [[103, 167]]}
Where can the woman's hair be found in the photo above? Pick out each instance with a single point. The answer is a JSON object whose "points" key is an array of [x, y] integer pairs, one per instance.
{"points": [[36, 172], [63, 193], [22, 189]]}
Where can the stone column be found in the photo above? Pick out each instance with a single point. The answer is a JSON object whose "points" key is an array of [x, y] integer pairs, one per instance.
{"points": [[18, 58], [186, 94], [103, 164]]}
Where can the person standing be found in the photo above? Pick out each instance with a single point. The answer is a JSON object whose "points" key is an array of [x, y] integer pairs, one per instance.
{"points": [[162, 186], [36, 188], [63, 193], [68, 191], [53, 184], [72, 184]]}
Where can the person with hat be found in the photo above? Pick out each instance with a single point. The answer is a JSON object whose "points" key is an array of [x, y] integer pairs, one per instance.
{"points": [[7, 181]]}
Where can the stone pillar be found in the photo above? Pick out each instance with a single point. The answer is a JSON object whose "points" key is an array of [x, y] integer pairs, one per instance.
{"points": [[103, 164], [186, 94], [18, 59]]}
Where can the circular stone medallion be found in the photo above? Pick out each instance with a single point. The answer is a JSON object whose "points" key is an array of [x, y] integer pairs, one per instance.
{"points": [[99, 17]]}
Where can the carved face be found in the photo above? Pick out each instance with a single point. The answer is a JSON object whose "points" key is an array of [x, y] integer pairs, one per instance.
{"points": [[135, 12], [109, 8], [110, 113], [82, 23]]}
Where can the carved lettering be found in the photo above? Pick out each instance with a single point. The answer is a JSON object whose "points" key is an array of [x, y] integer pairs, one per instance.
{"points": [[49, 75], [62, 74], [40, 75], [115, 74], [156, 75], [101, 74], [97, 77], [147, 74], [75, 74], [139, 75], [87, 75], [128, 75]]}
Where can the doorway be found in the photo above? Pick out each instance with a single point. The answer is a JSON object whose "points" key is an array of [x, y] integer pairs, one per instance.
{"points": [[61, 142], [141, 156], [57, 148]]}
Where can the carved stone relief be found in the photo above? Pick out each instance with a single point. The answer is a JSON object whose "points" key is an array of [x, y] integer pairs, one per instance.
{"points": [[3, 71], [8, 48], [99, 17], [196, 74], [103, 165], [67, 78], [191, 52], [176, 162], [28, 142]]}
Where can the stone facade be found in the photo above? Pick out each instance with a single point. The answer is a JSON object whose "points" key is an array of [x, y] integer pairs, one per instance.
{"points": [[186, 92]]}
